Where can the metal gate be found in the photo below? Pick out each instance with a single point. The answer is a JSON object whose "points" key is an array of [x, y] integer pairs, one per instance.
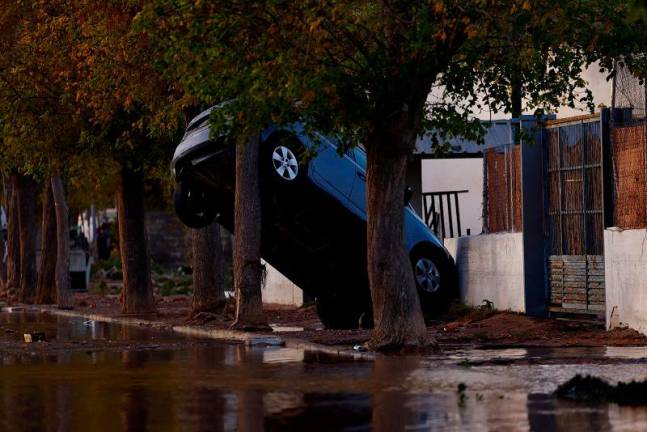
{"points": [[575, 215]]}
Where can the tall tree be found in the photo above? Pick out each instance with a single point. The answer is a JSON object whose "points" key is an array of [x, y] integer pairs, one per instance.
{"points": [[13, 239], [137, 294], [62, 273], [134, 118], [248, 270], [27, 194], [208, 270], [46, 283]]}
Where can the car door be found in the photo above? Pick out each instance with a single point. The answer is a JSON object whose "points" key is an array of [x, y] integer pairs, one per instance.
{"points": [[334, 172], [358, 194]]}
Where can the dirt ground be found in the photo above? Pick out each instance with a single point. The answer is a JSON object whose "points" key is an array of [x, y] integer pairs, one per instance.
{"points": [[463, 327]]}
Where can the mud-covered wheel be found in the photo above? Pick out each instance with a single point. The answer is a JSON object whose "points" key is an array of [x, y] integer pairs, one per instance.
{"points": [[436, 279], [193, 206]]}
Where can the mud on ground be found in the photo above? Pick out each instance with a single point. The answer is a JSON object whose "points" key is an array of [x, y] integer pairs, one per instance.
{"points": [[463, 327]]}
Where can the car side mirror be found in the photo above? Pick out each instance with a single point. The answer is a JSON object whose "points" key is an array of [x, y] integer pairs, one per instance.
{"points": [[408, 193]]}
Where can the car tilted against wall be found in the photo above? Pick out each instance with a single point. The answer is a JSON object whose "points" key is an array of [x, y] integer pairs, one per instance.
{"points": [[313, 202]]}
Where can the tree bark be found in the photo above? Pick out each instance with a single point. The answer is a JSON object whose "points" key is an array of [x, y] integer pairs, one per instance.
{"points": [[46, 283], [62, 271], [248, 270], [399, 323], [3, 243], [137, 293], [27, 225], [208, 268], [13, 238]]}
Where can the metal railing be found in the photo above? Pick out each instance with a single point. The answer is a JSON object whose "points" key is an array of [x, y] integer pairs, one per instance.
{"points": [[442, 214]]}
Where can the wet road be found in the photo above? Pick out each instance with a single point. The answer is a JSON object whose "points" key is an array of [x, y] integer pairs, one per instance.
{"points": [[215, 387]]}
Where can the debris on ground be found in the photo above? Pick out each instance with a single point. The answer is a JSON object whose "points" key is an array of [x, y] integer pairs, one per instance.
{"points": [[34, 337], [595, 390]]}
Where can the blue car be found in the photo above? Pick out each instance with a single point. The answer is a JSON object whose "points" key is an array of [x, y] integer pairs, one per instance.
{"points": [[313, 202]]}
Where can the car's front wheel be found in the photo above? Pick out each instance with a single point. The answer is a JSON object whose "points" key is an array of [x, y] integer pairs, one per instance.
{"points": [[193, 205], [435, 278]]}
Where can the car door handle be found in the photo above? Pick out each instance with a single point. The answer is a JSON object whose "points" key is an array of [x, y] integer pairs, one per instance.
{"points": [[361, 175]]}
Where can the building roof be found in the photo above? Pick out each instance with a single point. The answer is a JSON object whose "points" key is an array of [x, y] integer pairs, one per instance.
{"points": [[498, 133]]}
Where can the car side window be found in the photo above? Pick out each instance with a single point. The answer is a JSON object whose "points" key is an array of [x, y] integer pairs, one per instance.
{"points": [[360, 157]]}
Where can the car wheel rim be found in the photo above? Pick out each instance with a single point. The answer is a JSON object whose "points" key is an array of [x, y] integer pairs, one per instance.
{"points": [[285, 163], [427, 275]]}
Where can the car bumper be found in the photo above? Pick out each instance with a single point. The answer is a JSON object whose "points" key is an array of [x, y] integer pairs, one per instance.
{"points": [[194, 150]]}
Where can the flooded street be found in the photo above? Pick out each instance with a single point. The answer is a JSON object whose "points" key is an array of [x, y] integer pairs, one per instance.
{"points": [[96, 376]]}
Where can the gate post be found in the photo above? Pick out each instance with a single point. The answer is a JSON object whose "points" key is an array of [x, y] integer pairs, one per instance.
{"points": [[532, 208]]}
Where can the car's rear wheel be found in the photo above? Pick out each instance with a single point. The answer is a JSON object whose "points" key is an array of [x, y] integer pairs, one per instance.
{"points": [[435, 278], [193, 205], [283, 159]]}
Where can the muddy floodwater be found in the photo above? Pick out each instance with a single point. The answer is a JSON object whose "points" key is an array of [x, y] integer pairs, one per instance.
{"points": [[96, 376]]}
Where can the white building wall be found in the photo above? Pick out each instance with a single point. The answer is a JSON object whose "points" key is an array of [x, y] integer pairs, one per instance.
{"points": [[625, 268], [279, 290], [490, 267], [458, 174]]}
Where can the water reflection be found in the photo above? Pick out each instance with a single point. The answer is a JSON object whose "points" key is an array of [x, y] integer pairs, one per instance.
{"points": [[211, 387]]}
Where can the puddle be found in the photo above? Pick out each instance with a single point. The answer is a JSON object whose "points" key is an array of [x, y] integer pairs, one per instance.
{"points": [[57, 328], [211, 386]]}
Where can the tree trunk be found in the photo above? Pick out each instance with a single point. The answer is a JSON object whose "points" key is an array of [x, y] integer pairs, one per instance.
{"points": [[27, 225], [46, 284], [399, 323], [62, 272], [3, 243], [137, 293], [208, 268], [13, 238], [248, 270]]}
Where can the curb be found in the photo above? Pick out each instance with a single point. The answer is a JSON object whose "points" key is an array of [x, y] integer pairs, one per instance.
{"points": [[249, 339]]}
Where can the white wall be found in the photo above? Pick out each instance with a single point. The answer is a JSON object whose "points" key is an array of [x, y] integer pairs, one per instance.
{"points": [[280, 290], [490, 267], [625, 268], [458, 174]]}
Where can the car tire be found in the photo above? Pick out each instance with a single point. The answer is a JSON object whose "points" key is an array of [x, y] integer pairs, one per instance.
{"points": [[435, 278], [283, 159], [193, 205]]}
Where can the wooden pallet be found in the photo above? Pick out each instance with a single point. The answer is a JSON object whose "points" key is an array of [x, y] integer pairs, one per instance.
{"points": [[576, 284]]}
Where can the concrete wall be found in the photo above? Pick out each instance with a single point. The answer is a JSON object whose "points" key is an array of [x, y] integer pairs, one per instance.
{"points": [[280, 290], [625, 270], [490, 267], [458, 174]]}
